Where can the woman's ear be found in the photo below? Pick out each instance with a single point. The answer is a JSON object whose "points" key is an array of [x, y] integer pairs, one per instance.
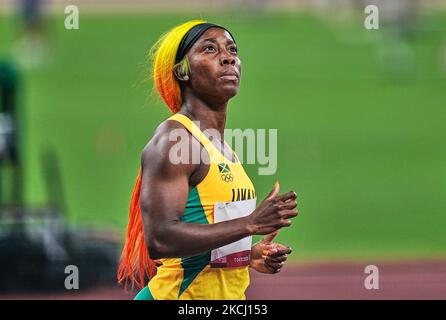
{"points": [[178, 70]]}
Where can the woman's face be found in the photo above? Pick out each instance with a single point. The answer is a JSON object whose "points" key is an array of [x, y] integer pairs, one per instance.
{"points": [[215, 68]]}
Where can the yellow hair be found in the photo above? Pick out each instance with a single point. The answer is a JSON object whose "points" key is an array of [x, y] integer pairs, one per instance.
{"points": [[163, 54]]}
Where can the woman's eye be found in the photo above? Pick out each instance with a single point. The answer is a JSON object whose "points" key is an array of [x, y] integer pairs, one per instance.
{"points": [[233, 49], [209, 48]]}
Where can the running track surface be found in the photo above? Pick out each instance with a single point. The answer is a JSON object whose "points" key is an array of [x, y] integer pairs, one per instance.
{"points": [[402, 280]]}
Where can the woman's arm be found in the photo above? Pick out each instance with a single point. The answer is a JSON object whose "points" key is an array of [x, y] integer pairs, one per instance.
{"points": [[164, 192]]}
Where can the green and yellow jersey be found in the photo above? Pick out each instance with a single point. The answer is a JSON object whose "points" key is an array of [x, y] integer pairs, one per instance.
{"points": [[212, 275]]}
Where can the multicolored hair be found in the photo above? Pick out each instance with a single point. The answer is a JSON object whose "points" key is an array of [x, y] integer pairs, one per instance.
{"points": [[163, 55], [135, 264]]}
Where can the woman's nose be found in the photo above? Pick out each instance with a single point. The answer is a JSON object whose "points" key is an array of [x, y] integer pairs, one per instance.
{"points": [[227, 59]]}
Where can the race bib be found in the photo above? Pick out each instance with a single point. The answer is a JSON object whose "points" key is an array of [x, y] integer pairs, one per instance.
{"points": [[236, 254]]}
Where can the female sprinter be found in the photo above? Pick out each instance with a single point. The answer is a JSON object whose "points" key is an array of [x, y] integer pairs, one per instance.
{"points": [[191, 223]]}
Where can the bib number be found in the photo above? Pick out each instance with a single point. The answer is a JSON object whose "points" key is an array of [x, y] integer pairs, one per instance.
{"points": [[236, 254]]}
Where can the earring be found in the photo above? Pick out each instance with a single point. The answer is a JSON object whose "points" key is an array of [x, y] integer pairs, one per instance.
{"points": [[186, 77]]}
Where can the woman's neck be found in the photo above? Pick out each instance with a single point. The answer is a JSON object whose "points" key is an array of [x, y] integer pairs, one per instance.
{"points": [[210, 114]]}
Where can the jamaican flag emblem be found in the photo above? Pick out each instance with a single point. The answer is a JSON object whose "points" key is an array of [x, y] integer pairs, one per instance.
{"points": [[225, 172]]}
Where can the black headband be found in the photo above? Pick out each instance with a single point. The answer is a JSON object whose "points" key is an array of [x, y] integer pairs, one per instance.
{"points": [[192, 36]]}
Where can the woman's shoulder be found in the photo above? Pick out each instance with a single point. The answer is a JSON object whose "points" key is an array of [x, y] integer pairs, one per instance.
{"points": [[166, 133], [165, 143], [168, 126]]}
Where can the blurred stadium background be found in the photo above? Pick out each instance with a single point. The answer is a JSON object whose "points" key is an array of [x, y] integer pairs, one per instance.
{"points": [[361, 128]]}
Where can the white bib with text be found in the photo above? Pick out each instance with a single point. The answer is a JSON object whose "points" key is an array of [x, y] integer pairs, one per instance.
{"points": [[236, 254]]}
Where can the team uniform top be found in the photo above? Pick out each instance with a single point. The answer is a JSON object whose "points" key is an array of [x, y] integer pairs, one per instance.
{"points": [[225, 193]]}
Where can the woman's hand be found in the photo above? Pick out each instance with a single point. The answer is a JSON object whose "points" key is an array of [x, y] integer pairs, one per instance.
{"points": [[273, 213], [267, 256]]}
